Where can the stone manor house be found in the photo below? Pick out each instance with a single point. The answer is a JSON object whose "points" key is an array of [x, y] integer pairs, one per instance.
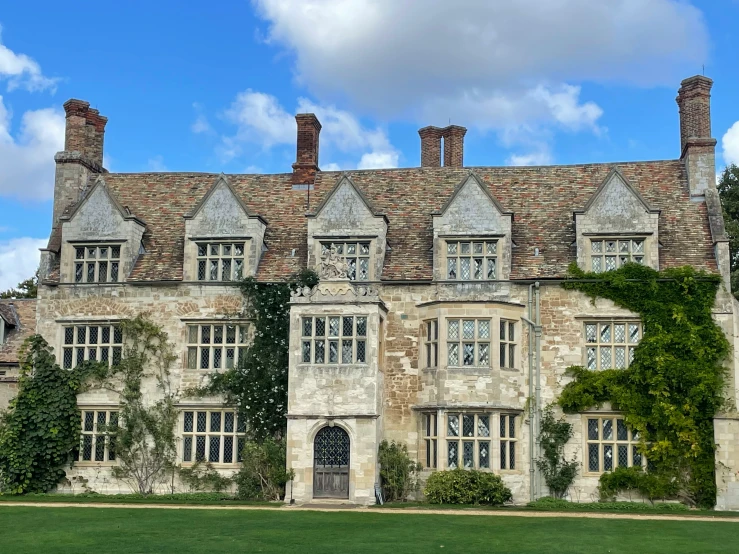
{"points": [[438, 314]]}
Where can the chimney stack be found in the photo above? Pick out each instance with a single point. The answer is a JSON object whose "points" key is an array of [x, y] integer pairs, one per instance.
{"points": [[430, 146], [454, 145], [85, 130], [697, 148], [306, 162]]}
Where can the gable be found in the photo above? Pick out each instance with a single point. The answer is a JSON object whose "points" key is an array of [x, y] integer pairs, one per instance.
{"points": [[345, 208], [220, 213], [616, 206], [97, 217], [471, 210]]}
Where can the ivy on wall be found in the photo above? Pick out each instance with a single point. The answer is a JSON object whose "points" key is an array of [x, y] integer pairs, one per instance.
{"points": [[674, 387], [42, 425], [258, 386]]}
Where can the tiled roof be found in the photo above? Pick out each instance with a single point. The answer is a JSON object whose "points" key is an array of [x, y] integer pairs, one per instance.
{"points": [[542, 199], [22, 311]]}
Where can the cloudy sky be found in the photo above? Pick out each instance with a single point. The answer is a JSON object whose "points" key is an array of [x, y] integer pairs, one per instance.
{"points": [[215, 88]]}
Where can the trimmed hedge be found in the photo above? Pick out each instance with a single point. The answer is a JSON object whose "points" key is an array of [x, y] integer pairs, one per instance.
{"points": [[460, 486]]}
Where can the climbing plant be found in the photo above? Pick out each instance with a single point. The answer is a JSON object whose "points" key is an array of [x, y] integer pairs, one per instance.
{"points": [[258, 386], [42, 424], [558, 472], [673, 388]]}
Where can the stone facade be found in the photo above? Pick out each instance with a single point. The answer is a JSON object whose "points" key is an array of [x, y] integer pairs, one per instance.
{"points": [[452, 364]]}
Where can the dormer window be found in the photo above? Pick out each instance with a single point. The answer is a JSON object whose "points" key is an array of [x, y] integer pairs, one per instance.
{"points": [[220, 261], [355, 254], [610, 254], [474, 260], [97, 263]]}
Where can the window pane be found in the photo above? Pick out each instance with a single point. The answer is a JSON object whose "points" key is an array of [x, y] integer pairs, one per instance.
{"points": [[218, 334], [201, 421], [605, 332], [215, 422], [361, 326], [468, 425], [452, 454], [483, 329], [361, 351], [333, 326], [468, 329], [451, 247], [593, 458], [451, 268], [607, 457], [214, 455], [605, 358], [453, 425], [333, 351], [200, 448], [511, 331], [468, 454], [320, 327], [483, 350], [633, 333], [593, 429], [484, 454], [621, 433], [453, 353], [228, 450], [464, 269], [503, 352], [607, 429], [228, 422], [592, 359], [623, 455], [348, 326], [483, 426], [346, 352], [468, 354], [512, 426], [453, 330], [320, 352], [204, 358], [503, 425], [306, 351], [503, 455], [187, 449]]}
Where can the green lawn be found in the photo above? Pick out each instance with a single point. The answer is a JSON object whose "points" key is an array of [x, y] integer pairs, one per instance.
{"points": [[75, 530]]}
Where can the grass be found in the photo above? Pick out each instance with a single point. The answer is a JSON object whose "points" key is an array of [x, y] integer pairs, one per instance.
{"points": [[197, 499], [61, 530]]}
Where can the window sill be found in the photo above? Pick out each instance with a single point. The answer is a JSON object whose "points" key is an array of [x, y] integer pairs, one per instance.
{"points": [[331, 366], [236, 465], [87, 464]]}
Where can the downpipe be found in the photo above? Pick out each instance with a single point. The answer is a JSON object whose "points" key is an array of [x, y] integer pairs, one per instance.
{"points": [[534, 342]]}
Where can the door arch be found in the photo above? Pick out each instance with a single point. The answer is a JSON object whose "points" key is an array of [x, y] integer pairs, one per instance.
{"points": [[331, 463]]}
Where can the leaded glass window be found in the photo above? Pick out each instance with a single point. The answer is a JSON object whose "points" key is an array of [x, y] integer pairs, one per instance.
{"points": [[430, 431], [471, 260], [611, 344], [609, 254], [97, 263], [216, 345], [97, 440], [215, 436], [611, 444], [334, 339], [468, 342], [356, 254], [431, 341], [508, 441], [221, 261], [102, 343], [469, 441], [508, 338]]}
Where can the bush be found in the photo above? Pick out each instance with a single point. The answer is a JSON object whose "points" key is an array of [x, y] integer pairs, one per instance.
{"points": [[202, 476], [650, 485], [398, 472], [556, 504], [263, 475], [460, 486], [558, 472]]}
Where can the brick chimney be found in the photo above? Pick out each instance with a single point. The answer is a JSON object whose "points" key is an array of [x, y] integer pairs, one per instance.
{"points": [[85, 130], [430, 146], [306, 161], [453, 145], [697, 147]]}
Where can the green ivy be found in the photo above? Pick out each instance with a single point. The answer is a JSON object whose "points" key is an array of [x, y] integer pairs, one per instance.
{"points": [[42, 425], [671, 391], [558, 472], [258, 387]]}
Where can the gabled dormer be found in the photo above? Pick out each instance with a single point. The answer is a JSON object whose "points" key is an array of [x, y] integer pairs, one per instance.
{"points": [[100, 239], [472, 235], [347, 233], [223, 241], [616, 226]]}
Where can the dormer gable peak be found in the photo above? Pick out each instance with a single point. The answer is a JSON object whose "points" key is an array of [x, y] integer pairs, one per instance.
{"points": [[222, 193], [472, 180], [94, 194], [343, 190], [616, 190]]}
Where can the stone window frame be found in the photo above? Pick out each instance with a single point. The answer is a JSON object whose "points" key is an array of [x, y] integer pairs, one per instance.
{"points": [[586, 247], [602, 254], [310, 341], [204, 257], [93, 432], [242, 339], [431, 343], [485, 255], [508, 343], [600, 443], [459, 341], [431, 439], [594, 350], [461, 439], [80, 259], [191, 432], [509, 435], [358, 255], [71, 345]]}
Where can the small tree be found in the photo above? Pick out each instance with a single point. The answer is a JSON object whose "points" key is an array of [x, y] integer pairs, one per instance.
{"points": [[25, 289], [398, 472], [728, 189], [263, 474], [558, 472], [145, 437]]}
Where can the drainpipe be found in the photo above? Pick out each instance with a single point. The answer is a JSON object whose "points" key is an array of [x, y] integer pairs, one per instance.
{"points": [[534, 323]]}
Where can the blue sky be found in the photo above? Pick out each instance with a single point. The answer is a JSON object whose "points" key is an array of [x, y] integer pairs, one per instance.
{"points": [[214, 86]]}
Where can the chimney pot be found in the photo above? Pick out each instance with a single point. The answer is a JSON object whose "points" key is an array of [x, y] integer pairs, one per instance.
{"points": [[85, 130], [694, 102], [454, 145]]}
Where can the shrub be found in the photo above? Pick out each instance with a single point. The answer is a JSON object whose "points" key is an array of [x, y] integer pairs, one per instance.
{"points": [[460, 486], [651, 485], [556, 504], [399, 473], [558, 472], [263, 475], [202, 476]]}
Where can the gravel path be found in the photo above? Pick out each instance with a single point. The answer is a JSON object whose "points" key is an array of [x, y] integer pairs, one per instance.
{"points": [[489, 513]]}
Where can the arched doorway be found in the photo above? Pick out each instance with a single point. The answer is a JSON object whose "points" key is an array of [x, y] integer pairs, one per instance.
{"points": [[331, 463]]}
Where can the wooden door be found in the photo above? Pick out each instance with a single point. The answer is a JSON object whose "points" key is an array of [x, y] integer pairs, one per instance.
{"points": [[331, 463]]}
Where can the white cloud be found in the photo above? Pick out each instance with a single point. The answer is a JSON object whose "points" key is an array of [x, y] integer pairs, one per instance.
{"points": [[261, 119], [542, 156], [157, 164], [22, 71], [27, 160], [730, 144], [492, 64], [201, 123], [19, 258]]}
